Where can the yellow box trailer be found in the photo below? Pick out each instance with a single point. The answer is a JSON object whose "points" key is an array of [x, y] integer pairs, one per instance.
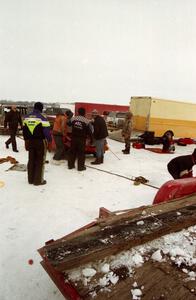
{"points": [[160, 115]]}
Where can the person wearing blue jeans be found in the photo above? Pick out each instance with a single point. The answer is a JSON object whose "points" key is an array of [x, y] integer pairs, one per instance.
{"points": [[100, 133]]}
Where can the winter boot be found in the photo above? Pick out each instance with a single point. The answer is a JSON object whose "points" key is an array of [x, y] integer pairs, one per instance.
{"points": [[97, 161], [126, 151], [102, 160]]}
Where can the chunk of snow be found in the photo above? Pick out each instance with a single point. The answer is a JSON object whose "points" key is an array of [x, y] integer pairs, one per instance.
{"points": [[105, 268], [192, 274], [135, 284], [140, 223], [136, 293], [157, 255], [89, 272], [138, 259]]}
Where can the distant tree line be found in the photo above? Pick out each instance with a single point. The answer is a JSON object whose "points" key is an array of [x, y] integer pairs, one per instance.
{"points": [[27, 103]]}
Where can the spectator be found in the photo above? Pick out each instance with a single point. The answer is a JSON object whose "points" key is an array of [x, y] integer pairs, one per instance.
{"points": [[36, 132], [59, 132], [12, 118], [80, 130], [126, 132], [181, 166], [100, 133]]}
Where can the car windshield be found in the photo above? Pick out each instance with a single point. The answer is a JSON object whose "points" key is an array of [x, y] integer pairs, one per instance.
{"points": [[121, 115]]}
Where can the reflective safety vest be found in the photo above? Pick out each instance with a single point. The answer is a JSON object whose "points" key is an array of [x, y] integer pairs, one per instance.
{"points": [[36, 126], [32, 122]]}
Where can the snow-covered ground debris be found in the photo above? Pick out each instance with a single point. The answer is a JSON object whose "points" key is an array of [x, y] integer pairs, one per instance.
{"points": [[31, 215]]}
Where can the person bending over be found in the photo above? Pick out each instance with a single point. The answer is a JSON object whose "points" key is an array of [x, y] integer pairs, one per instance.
{"points": [[181, 166]]}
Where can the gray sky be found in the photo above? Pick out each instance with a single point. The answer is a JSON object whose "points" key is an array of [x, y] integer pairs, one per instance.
{"points": [[97, 50]]}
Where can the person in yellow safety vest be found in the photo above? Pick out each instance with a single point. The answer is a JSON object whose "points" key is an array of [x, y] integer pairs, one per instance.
{"points": [[36, 133]]}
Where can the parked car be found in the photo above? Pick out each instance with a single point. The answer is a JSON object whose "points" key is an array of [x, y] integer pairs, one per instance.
{"points": [[115, 120]]}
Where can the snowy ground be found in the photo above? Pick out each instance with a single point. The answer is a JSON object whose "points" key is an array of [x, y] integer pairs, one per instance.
{"points": [[31, 215]]}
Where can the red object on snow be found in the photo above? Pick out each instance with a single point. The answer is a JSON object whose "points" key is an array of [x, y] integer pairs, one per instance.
{"points": [[159, 150], [138, 145], [175, 189], [30, 261], [186, 141], [89, 148]]}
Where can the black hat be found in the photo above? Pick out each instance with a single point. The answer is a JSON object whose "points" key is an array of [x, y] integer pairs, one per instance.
{"points": [[81, 111], [39, 106]]}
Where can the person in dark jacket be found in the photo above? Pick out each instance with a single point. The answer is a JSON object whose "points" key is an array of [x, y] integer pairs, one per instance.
{"points": [[181, 166], [12, 119], [167, 140], [36, 132], [100, 133], [80, 130]]}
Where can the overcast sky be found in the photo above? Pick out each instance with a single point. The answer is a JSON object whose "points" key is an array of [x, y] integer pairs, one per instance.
{"points": [[97, 50]]}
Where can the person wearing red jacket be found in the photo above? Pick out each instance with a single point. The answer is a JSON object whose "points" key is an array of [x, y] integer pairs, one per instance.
{"points": [[181, 166]]}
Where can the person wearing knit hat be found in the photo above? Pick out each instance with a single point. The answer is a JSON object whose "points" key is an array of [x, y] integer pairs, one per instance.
{"points": [[38, 106], [36, 133], [100, 133]]}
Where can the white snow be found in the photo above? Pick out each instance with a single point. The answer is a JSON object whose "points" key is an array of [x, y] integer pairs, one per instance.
{"points": [[89, 272], [105, 268], [31, 215], [136, 293], [140, 223], [157, 255]]}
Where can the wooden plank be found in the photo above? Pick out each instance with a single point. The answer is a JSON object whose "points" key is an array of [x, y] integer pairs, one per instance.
{"points": [[134, 214], [150, 209], [156, 280], [118, 236]]}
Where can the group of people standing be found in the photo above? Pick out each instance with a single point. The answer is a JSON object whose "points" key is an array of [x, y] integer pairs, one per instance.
{"points": [[81, 129], [37, 135]]}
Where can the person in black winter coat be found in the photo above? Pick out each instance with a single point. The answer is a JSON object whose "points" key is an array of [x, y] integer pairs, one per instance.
{"points": [[100, 133], [80, 131], [181, 166], [12, 119], [36, 133]]}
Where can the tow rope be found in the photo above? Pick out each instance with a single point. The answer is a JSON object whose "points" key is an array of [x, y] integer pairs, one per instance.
{"points": [[136, 180]]}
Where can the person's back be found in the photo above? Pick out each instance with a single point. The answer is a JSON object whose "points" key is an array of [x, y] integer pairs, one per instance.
{"points": [[80, 126], [36, 131], [36, 126], [80, 131], [60, 124], [100, 128], [181, 166]]}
